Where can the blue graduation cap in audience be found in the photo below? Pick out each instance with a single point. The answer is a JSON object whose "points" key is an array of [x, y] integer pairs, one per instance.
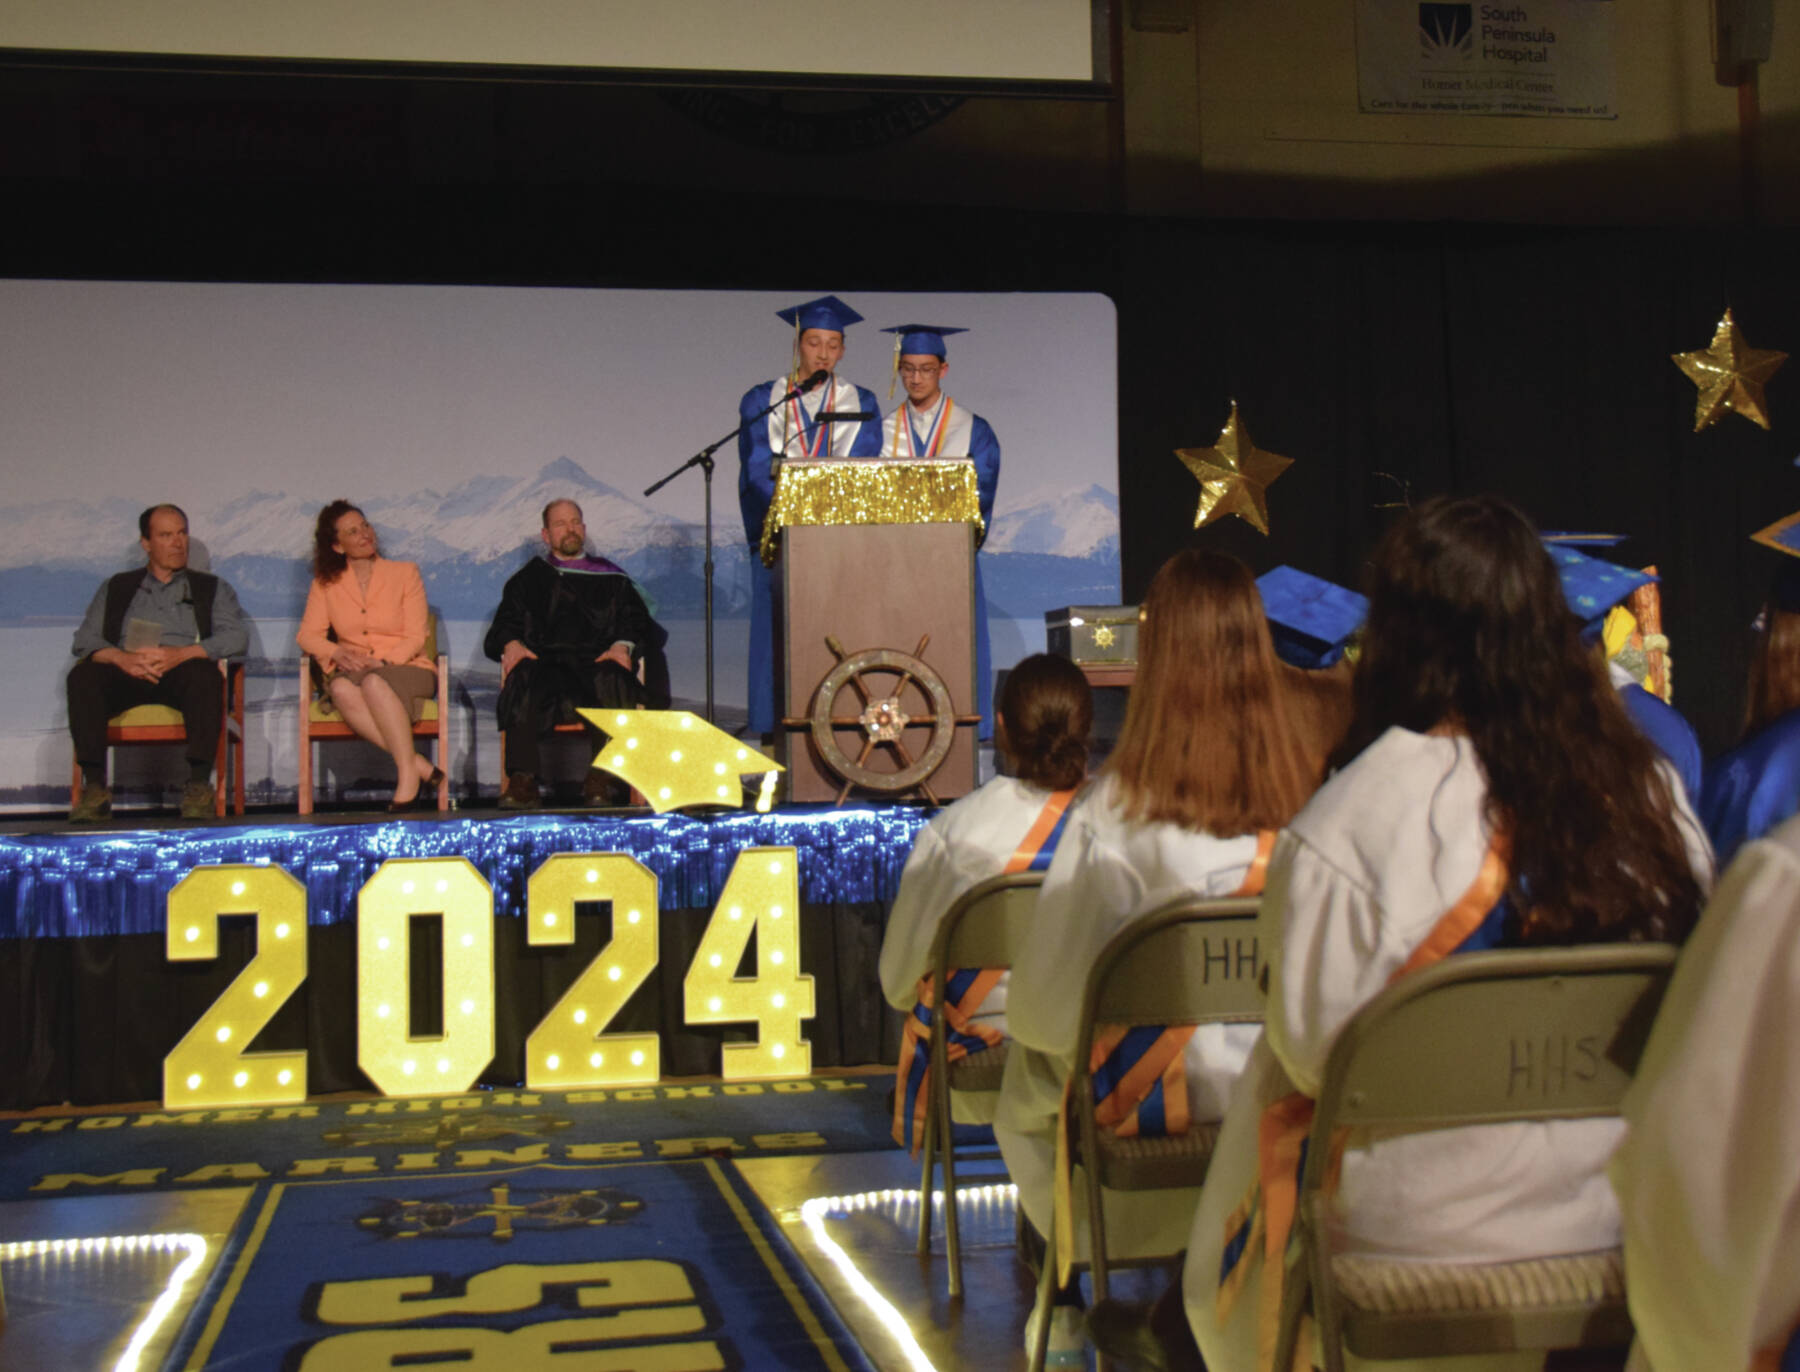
{"points": [[827, 312], [1591, 585], [921, 339], [1310, 619], [1784, 537]]}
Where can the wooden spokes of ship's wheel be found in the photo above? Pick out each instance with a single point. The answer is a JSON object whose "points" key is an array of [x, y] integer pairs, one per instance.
{"points": [[900, 704]]}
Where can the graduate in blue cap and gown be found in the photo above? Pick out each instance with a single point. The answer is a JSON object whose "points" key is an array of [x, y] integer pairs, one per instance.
{"points": [[932, 424], [793, 430], [1756, 785], [1592, 587]]}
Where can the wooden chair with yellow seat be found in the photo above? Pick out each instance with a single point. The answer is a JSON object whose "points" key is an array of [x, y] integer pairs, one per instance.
{"points": [[149, 724], [1482, 1038], [981, 928], [320, 722], [568, 728], [1193, 961]]}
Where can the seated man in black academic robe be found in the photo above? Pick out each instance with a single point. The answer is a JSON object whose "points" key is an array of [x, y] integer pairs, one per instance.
{"points": [[571, 633]]}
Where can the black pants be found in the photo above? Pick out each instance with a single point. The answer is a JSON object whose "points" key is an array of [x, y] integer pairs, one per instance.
{"points": [[98, 691], [541, 693]]}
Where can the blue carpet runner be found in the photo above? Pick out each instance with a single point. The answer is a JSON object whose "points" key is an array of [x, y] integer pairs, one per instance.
{"points": [[648, 1266]]}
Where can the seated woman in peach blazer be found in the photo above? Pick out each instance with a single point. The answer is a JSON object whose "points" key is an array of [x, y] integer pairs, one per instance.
{"points": [[374, 655]]}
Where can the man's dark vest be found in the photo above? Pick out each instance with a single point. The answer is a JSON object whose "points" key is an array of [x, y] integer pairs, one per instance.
{"points": [[121, 588]]}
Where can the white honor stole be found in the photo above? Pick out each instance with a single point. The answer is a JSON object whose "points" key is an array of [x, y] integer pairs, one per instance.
{"points": [[788, 436]]}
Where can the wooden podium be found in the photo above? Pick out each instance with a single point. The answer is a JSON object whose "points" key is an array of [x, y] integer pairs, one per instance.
{"points": [[876, 557]]}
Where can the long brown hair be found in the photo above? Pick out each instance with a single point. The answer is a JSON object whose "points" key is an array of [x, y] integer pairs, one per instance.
{"points": [[1046, 716], [1320, 707], [1775, 659], [328, 563], [1468, 629], [1206, 742]]}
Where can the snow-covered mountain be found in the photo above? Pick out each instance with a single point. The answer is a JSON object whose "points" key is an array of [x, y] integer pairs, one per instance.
{"points": [[1079, 523], [484, 518], [469, 539]]}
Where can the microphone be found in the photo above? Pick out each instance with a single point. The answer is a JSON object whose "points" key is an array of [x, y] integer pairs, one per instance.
{"points": [[813, 380]]}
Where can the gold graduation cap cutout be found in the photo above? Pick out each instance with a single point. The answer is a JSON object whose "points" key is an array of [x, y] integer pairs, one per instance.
{"points": [[675, 758]]}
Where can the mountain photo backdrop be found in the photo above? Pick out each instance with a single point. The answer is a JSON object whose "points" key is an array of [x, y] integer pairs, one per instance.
{"points": [[452, 415]]}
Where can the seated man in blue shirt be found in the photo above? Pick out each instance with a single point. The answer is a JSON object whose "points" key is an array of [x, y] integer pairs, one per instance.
{"points": [[151, 637]]}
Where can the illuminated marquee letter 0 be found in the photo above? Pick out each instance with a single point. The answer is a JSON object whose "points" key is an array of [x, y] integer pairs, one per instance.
{"points": [[763, 893], [397, 1063], [567, 1050], [209, 1067]]}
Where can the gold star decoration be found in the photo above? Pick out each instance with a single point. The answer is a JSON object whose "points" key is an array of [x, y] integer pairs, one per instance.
{"points": [[1103, 637], [1234, 476], [1730, 375], [675, 758]]}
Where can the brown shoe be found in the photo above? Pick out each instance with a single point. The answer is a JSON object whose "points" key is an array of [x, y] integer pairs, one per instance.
{"points": [[520, 792], [94, 807], [603, 790], [199, 800]]}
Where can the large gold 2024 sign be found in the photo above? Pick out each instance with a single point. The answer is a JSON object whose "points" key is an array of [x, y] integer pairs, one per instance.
{"points": [[569, 1050]]}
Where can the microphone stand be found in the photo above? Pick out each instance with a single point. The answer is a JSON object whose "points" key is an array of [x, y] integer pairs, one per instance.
{"points": [[704, 461]]}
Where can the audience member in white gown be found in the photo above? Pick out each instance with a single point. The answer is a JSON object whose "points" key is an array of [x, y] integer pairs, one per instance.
{"points": [[1494, 793], [1709, 1175], [1012, 824], [1206, 768]]}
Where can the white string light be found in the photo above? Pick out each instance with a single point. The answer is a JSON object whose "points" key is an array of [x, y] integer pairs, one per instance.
{"points": [[194, 1245], [813, 1213]]}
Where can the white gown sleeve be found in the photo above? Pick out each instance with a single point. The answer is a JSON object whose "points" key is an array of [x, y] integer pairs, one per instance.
{"points": [[1331, 952], [1708, 1178], [928, 883]]}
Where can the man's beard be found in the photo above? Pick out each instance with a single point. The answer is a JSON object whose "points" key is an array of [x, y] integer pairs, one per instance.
{"points": [[571, 546]]}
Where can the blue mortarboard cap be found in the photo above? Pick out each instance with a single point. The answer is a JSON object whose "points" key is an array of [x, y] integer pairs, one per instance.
{"points": [[1310, 619], [1591, 586], [827, 312], [921, 338], [1784, 537]]}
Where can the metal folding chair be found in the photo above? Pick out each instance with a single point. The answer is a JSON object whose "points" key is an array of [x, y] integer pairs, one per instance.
{"points": [[1482, 1038], [1193, 961], [980, 929]]}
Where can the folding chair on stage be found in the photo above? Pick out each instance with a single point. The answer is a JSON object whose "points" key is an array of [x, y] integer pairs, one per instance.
{"points": [[980, 929], [1482, 1038], [164, 724], [1193, 961]]}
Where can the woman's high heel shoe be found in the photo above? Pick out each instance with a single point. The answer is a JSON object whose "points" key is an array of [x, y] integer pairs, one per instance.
{"points": [[426, 799]]}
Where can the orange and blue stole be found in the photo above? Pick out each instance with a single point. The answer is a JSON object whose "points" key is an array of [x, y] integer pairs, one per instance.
{"points": [[1264, 1220], [1139, 1074], [965, 989]]}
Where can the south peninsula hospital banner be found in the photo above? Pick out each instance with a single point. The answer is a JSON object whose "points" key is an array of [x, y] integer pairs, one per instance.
{"points": [[1515, 57]]}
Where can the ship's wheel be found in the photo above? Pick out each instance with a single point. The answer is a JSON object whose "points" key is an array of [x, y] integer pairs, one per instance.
{"points": [[894, 701]]}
